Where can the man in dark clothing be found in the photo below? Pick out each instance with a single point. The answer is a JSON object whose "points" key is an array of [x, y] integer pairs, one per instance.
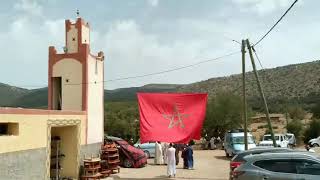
{"points": [[176, 146]]}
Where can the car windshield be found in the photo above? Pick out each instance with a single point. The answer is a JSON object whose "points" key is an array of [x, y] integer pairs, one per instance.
{"points": [[289, 136], [268, 138], [240, 140]]}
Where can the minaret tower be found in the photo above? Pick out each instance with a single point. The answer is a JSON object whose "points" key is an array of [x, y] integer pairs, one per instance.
{"points": [[75, 79]]}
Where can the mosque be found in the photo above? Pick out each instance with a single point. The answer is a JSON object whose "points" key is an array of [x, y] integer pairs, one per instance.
{"points": [[37, 144]]}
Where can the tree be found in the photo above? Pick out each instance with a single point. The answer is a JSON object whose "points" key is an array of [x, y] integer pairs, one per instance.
{"points": [[121, 119], [296, 112], [312, 131], [295, 127], [316, 110], [223, 113]]}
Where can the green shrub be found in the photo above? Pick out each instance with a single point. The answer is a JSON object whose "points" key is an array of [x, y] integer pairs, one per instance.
{"points": [[295, 127], [312, 131]]}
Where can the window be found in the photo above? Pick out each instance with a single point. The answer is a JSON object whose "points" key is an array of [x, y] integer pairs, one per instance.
{"points": [[283, 166], [268, 138], [307, 167], [9, 129], [240, 140]]}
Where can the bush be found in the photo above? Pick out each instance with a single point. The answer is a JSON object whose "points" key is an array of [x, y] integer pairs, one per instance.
{"points": [[312, 131], [316, 111], [296, 112], [295, 127]]}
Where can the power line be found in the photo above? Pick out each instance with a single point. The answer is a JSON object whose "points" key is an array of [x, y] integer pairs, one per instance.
{"points": [[149, 74], [276, 23], [174, 69], [255, 53]]}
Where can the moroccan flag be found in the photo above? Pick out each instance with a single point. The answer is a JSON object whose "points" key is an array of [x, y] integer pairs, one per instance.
{"points": [[171, 117]]}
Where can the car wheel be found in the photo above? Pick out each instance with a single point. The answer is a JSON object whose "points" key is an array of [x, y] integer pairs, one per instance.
{"points": [[127, 163], [147, 154], [315, 145]]}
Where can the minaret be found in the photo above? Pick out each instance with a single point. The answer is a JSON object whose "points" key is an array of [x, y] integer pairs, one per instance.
{"points": [[75, 79]]}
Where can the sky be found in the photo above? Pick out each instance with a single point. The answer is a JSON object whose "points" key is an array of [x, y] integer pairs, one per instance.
{"points": [[147, 36]]}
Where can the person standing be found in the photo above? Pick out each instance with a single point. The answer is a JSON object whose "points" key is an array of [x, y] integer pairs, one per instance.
{"points": [[165, 147], [212, 143], [158, 154], [171, 160], [184, 157], [189, 156]]}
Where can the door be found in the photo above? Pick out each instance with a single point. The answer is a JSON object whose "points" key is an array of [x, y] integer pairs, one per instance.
{"points": [[276, 169], [307, 169]]}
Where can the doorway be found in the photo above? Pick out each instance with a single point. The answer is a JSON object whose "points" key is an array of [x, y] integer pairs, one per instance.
{"points": [[64, 152]]}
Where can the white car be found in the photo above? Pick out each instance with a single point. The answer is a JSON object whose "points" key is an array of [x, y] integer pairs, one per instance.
{"points": [[315, 142], [281, 141]]}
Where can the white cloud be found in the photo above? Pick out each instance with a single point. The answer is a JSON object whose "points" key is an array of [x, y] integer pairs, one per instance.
{"points": [[153, 3], [131, 51], [31, 7], [262, 7]]}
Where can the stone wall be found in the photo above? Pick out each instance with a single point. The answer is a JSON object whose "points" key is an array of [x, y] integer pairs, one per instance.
{"points": [[28, 164]]}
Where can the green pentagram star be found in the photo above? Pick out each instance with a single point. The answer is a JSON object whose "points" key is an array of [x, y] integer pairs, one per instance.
{"points": [[176, 119]]}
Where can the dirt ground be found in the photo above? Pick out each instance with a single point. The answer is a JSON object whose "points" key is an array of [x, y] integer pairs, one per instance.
{"points": [[208, 164]]}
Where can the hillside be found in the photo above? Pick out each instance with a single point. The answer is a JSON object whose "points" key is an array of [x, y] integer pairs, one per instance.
{"points": [[298, 82], [129, 94], [37, 98], [8, 93]]}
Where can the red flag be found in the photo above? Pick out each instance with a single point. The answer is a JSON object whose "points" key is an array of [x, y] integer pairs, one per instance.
{"points": [[171, 117]]}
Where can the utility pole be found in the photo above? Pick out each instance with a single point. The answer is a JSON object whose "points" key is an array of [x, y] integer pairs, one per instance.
{"points": [[261, 93], [244, 113]]}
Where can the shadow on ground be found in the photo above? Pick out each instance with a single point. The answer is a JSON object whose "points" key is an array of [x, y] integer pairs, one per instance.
{"points": [[223, 158]]}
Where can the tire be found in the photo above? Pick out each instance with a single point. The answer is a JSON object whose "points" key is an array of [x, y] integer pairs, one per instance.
{"points": [[315, 145], [127, 163], [147, 154]]}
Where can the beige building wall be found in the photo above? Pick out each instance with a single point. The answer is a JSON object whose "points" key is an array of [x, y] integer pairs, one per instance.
{"points": [[32, 131], [95, 100], [85, 35], [72, 39], [70, 70]]}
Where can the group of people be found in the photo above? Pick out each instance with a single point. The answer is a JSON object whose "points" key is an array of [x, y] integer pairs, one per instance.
{"points": [[168, 154]]}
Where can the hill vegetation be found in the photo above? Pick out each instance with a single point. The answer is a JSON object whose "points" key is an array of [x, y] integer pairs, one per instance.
{"points": [[286, 88]]}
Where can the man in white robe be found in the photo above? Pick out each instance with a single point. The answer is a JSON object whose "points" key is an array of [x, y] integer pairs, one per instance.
{"points": [[165, 147], [171, 161], [212, 140], [158, 159]]}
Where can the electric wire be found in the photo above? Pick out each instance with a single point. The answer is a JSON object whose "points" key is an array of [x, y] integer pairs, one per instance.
{"points": [[175, 69], [276, 23], [145, 75]]}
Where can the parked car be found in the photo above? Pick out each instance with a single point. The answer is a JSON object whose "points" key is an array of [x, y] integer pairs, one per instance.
{"points": [[148, 148], [130, 156], [284, 166], [315, 142], [234, 142], [291, 139], [281, 140], [238, 159]]}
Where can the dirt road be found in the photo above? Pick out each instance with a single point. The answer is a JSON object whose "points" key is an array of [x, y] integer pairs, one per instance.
{"points": [[210, 164]]}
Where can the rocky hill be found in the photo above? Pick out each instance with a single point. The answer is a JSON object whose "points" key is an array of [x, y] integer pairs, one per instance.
{"points": [[8, 93], [299, 82]]}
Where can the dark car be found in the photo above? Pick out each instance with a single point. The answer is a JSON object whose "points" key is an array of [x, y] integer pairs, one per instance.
{"points": [[293, 165], [130, 156], [238, 159]]}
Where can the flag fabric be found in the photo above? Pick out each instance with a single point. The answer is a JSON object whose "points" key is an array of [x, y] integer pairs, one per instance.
{"points": [[171, 117]]}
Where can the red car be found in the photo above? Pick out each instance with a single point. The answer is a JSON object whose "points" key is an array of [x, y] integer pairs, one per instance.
{"points": [[130, 156]]}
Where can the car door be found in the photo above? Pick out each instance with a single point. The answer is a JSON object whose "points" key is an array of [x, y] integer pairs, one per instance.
{"points": [[275, 169], [307, 169]]}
